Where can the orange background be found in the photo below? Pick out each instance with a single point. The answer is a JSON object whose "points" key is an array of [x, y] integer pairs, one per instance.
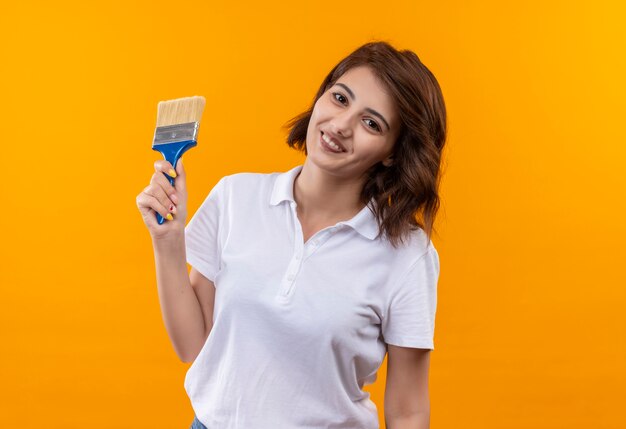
{"points": [[531, 323]]}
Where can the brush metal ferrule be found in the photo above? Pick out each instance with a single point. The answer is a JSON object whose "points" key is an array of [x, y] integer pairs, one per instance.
{"points": [[176, 133]]}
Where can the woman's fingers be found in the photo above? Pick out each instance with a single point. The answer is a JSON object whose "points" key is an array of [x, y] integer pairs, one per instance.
{"points": [[164, 166], [181, 179], [160, 180], [180, 184], [160, 201], [163, 198]]}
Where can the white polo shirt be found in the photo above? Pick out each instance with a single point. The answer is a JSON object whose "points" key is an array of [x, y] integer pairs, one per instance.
{"points": [[299, 328]]}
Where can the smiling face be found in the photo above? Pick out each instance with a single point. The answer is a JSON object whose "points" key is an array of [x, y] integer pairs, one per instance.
{"points": [[359, 118]]}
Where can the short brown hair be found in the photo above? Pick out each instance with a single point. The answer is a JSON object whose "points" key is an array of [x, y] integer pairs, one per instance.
{"points": [[405, 193]]}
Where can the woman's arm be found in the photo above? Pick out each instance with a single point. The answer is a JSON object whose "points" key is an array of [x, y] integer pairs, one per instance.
{"points": [[186, 299], [180, 305], [407, 404]]}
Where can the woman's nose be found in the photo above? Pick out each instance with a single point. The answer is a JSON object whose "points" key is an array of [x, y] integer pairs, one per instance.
{"points": [[341, 124]]}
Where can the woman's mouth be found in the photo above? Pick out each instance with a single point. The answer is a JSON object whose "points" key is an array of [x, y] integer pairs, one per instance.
{"points": [[329, 145]]}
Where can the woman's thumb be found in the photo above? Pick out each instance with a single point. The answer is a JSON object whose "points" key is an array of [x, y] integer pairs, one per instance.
{"points": [[180, 170]]}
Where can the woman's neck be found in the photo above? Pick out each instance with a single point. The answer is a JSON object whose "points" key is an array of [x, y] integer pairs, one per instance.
{"points": [[321, 196]]}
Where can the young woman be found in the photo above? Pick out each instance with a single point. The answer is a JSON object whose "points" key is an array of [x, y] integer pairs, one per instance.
{"points": [[302, 281]]}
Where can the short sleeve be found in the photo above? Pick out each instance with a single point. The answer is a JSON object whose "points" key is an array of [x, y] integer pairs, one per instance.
{"points": [[410, 316], [202, 233]]}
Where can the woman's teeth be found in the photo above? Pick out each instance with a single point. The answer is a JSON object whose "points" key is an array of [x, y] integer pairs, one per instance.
{"points": [[330, 142]]}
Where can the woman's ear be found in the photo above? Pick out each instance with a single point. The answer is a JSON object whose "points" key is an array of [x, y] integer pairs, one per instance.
{"points": [[388, 161]]}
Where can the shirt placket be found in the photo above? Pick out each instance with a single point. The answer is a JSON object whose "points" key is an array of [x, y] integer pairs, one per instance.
{"points": [[301, 253]]}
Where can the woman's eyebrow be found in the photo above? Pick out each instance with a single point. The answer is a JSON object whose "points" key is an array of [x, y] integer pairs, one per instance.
{"points": [[372, 111]]}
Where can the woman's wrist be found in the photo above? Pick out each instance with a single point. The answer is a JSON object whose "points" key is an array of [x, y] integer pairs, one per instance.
{"points": [[172, 239]]}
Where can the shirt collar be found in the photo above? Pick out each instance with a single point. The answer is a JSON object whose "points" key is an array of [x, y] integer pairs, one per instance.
{"points": [[364, 222]]}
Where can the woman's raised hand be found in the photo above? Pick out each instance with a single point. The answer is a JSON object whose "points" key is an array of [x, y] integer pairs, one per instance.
{"points": [[167, 200]]}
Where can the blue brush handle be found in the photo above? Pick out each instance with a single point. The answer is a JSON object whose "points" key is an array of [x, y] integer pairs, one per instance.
{"points": [[172, 152]]}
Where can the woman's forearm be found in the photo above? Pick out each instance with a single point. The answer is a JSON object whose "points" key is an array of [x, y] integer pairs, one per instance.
{"points": [[180, 308], [415, 421]]}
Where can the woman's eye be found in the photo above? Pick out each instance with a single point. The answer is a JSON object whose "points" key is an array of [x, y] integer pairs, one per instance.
{"points": [[339, 97], [375, 125]]}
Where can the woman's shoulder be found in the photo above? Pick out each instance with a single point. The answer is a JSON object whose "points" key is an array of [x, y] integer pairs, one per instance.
{"points": [[257, 181], [248, 180], [246, 188], [416, 245]]}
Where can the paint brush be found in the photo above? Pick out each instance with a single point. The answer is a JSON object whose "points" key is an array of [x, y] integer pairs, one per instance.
{"points": [[176, 131]]}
